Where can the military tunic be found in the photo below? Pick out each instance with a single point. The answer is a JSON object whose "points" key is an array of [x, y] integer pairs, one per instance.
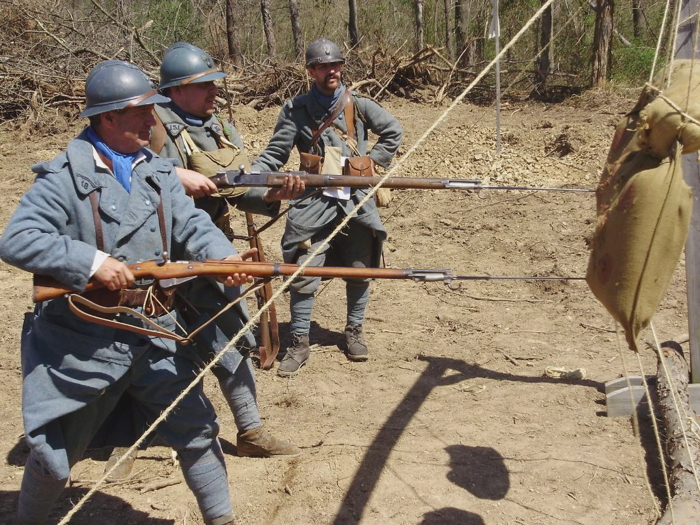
{"points": [[208, 137], [295, 127], [70, 366]]}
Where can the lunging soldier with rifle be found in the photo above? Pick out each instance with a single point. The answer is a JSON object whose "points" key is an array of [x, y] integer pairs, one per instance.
{"points": [[199, 143], [329, 126], [105, 203]]}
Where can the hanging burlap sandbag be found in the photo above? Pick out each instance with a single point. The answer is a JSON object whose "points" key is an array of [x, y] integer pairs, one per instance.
{"points": [[661, 124], [643, 203], [639, 239]]}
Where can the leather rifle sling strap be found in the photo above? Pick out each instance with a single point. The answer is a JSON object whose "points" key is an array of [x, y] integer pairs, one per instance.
{"points": [[339, 107], [269, 344], [350, 122]]}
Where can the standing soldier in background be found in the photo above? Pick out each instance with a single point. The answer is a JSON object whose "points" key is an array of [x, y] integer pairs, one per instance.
{"points": [[329, 126], [105, 203], [199, 143]]}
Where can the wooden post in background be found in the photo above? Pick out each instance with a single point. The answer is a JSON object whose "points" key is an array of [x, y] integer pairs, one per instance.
{"points": [[691, 174]]}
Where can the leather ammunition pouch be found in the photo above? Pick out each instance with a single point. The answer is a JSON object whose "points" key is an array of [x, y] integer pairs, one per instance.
{"points": [[310, 163], [359, 166]]}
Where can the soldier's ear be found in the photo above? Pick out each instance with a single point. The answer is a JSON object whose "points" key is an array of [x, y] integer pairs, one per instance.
{"points": [[108, 119]]}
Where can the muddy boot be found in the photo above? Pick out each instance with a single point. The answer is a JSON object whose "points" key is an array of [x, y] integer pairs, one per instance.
{"points": [[123, 471], [259, 443], [356, 348], [297, 356]]}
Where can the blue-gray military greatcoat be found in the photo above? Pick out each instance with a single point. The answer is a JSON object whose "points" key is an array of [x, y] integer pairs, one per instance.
{"points": [[295, 127], [68, 364]]}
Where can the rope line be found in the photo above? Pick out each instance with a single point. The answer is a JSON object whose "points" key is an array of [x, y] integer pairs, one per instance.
{"points": [[163, 416], [635, 426], [676, 406]]}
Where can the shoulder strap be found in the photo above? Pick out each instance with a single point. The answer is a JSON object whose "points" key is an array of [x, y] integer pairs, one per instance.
{"points": [[350, 118], [340, 106], [158, 134], [190, 146], [95, 204]]}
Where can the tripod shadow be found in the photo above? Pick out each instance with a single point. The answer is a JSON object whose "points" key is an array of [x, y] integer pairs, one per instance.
{"points": [[479, 470]]}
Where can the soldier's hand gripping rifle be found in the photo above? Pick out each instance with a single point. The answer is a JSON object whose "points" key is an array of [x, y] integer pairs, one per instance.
{"points": [[273, 179]]}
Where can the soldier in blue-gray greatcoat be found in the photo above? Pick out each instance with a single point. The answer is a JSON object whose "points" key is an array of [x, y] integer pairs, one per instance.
{"points": [[190, 134], [105, 203], [325, 121]]}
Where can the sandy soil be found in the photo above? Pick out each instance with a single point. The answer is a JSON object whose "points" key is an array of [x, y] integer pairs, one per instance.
{"points": [[452, 420]]}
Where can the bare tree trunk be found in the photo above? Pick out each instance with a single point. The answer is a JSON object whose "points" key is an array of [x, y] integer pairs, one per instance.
{"points": [[602, 42], [267, 27], [686, 497], [637, 17], [461, 15], [420, 38], [296, 28], [448, 29], [352, 23], [544, 57], [234, 45]]}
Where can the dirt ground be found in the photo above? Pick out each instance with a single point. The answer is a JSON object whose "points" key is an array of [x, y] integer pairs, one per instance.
{"points": [[452, 420]]}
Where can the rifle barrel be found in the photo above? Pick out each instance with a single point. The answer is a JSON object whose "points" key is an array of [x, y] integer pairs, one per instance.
{"points": [[275, 179]]}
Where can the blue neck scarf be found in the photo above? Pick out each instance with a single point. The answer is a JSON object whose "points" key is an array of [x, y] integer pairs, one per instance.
{"points": [[122, 164], [188, 118], [327, 101]]}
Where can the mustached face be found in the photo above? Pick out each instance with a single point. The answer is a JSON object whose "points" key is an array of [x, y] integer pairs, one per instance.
{"points": [[327, 77]]}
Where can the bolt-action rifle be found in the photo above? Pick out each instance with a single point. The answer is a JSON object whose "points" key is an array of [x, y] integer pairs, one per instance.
{"points": [[157, 278], [273, 179], [170, 274]]}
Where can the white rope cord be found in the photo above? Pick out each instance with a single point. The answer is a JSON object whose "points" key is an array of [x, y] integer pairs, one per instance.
{"points": [[658, 41], [672, 48], [676, 406], [287, 283], [635, 425]]}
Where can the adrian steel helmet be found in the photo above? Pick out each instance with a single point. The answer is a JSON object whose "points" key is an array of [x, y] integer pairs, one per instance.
{"points": [[115, 84], [184, 63], [323, 51]]}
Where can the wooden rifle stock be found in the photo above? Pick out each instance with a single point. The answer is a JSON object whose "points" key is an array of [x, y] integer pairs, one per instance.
{"points": [[269, 338]]}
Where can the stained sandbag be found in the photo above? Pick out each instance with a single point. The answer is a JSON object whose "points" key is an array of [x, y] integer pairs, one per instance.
{"points": [[625, 142], [640, 234], [662, 124]]}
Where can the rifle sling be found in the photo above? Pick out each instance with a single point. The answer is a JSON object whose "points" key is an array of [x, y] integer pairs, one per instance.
{"points": [[110, 311], [339, 107], [277, 217]]}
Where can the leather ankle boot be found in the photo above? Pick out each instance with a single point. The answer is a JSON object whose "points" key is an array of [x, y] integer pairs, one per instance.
{"points": [[296, 357], [123, 471], [259, 443], [356, 348]]}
